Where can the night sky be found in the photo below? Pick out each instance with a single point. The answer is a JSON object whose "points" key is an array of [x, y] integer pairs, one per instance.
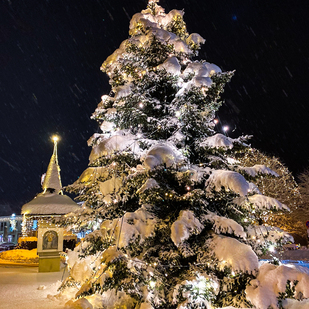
{"points": [[50, 78]]}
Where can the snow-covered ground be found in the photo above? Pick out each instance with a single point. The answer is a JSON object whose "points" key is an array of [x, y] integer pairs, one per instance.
{"points": [[26, 288]]}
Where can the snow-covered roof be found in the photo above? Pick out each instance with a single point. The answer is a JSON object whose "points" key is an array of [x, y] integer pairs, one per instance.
{"points": [[49, 204]]}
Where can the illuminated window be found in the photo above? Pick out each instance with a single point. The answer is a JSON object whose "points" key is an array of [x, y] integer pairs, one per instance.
{"points": [[35, 224]]}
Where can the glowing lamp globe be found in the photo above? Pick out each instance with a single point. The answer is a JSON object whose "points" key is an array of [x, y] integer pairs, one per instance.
{"points": [[225, 128], [55, 138]]}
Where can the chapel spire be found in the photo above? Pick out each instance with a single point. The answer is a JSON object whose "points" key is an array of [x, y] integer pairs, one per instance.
{"points": [[52, 180]]}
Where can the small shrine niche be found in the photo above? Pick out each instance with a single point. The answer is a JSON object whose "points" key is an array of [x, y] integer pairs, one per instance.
{"points": [[50, 240]]}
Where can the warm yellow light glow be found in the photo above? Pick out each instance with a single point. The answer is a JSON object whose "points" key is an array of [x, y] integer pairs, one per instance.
{"points": [[152, 284], [55, 138]]}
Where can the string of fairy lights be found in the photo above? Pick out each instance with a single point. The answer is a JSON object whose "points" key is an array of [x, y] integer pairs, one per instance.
{"points": [[163, 265], [216, 121]]}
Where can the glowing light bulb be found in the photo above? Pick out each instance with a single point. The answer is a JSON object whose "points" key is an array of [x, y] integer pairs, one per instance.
{"points": [[216, 121], [225, 128], [140, 105], [201, 285], [152, 284]]}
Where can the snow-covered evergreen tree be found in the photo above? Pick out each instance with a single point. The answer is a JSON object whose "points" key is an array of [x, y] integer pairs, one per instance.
{"points": [[177, 220]]}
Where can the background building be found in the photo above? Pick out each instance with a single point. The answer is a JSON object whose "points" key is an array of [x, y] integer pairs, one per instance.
{"points": [[10, 228], [50, 204]]}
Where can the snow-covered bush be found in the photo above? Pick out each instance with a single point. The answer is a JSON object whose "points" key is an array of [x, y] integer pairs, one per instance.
{"points": [[20, 255]]}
